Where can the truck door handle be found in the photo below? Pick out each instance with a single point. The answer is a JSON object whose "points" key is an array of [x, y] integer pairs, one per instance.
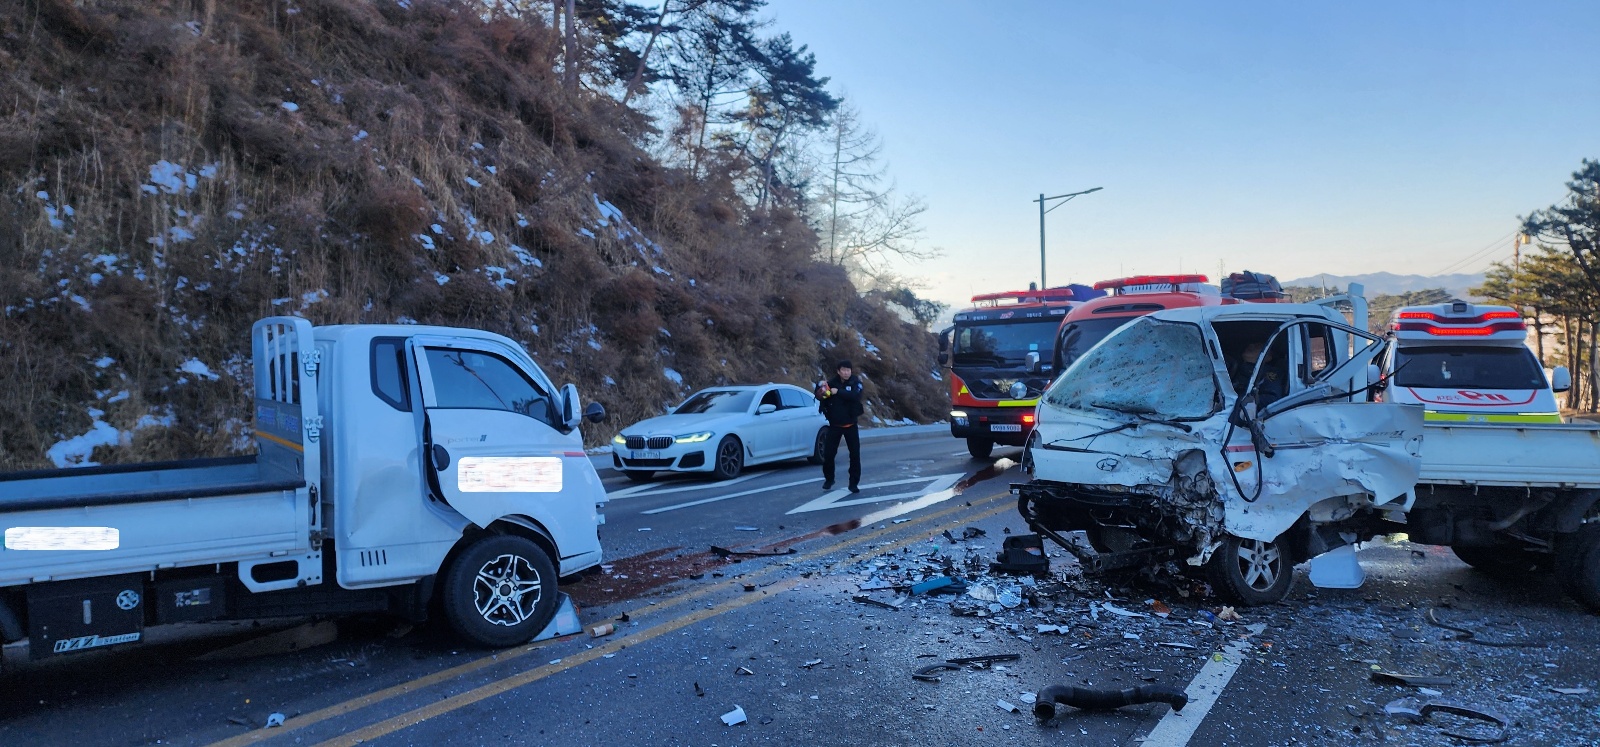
{"points": [[441, 458]]}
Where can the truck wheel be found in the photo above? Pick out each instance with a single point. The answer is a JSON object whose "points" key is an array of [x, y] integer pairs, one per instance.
{"points": [[730, 459], [639, 475], [1251, 572], [818, 446], [1578, 565], [980, 448], [500, 591], [1500, 561]]}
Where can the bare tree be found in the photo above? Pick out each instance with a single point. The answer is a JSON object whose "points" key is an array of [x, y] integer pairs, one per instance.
{"points": [[865, 222], [571, 67]]}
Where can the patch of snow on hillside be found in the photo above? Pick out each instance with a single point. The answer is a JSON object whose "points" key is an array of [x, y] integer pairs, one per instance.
{"points": [[196, 367], [866, 344], [441, 278], [75, 451], [673, 376]]}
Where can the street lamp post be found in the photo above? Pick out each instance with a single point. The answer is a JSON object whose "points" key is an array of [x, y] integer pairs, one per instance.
{"points": [[1042, 210]]}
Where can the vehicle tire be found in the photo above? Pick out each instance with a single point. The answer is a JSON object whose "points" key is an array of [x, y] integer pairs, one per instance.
{"points": [[818, 446], [1578, 565], [1501, 561], [980, 448], [730, 458], [639, 475], [1251, 572], [500, 591]]}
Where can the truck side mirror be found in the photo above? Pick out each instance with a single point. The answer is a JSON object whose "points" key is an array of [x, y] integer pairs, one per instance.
{"points": [[594, 412], [569, 407], [1560, 379], [1033, 361]]}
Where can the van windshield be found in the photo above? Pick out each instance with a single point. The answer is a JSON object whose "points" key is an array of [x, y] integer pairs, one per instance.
{"points": [[1148, 367], [1468, 367], [716, 400]]}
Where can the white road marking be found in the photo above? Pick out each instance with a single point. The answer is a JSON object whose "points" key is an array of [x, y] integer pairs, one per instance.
{"points": [[741, 494], [1177, 727], [841, 498], [662, 489]]}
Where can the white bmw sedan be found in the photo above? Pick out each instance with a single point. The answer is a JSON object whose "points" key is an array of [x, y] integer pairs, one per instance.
{"points": [[722, 430]]}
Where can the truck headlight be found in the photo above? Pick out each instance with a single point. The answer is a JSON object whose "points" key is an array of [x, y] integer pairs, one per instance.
{"points": [[959, 417], [693, 438], [619, 440]]}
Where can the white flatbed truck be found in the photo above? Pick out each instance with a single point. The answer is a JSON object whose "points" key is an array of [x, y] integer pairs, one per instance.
{"points": [[397, 467]]}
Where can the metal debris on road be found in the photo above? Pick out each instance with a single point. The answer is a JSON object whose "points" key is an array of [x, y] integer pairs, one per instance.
{"points": [[735, 717], [926, 674], [1413, 680], [988, 659], [744, 671], [864, 599], [1091, 699], [1418, 712], [723, 552], [1463, 634]]}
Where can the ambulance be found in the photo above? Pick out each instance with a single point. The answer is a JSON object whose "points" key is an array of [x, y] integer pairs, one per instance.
{"points": [[1469, 363]]}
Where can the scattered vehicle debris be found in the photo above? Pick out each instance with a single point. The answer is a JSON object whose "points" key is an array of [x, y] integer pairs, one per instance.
{"points": [[1412, 680], [940, 585], [1007, 706], [699, 691], [983, 660], [1022, 554], [1463, 634], [735, 717], [747, 529], [275, 720], [1092, 699], [811, 664], [602, 630], [1418, 712], [926, 674], [744, 671], [864, 599], [723, 552], [1570, 690]]}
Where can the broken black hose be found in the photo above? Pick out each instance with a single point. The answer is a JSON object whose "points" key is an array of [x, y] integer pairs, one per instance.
{"points": [[1090, 699]]}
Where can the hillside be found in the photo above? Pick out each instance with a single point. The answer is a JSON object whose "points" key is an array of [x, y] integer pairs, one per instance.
{"points": [[1388, 283], [175, 170]]}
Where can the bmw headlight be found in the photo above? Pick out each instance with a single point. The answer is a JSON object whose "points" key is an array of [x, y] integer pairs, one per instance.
{"points": [[694, 438], [619, 440]]}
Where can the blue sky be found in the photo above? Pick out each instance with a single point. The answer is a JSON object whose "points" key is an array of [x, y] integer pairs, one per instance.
{"points": [[1285, 137]]}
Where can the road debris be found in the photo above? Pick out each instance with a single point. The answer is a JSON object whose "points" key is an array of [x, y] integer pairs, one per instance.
{"points": [[926, 674], [1092, 699], [275, 720], [1463, 634], [735, 716], [1412, 680], [982, 660], [1228, 614], [1022, 554], [699, 691], [747, 529], [744, 671], [940, 585], [811, 664], [1007, 706], [602, 630], [1418, 712], [895, 605], [723, 552], [1120, 612], [1570, 690]]}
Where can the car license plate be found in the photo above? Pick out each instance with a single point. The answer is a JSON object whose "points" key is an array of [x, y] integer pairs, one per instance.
{"points": [[646, 455], [1005, 428]]}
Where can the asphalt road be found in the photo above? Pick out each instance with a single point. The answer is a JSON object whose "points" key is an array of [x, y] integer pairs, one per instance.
{"points": [[808, 664]]}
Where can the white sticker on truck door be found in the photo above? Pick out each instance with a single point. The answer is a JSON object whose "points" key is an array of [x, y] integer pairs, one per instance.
{"points": [[509, 475]]}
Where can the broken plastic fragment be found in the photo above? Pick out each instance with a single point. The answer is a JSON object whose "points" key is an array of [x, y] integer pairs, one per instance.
{"points": [[275, 719], [1008, 707], [1120, 612], [734, 717]]}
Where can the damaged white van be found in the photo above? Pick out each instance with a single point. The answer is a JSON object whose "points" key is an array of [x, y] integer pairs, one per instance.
{"points": [[1239, 439]]}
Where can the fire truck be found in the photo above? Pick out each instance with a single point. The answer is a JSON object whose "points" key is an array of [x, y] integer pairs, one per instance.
{"points": [[998, 353]]}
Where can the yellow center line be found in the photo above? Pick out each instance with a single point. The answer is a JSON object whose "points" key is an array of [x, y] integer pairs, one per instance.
{"points": [[456, 702], [421, 683]]}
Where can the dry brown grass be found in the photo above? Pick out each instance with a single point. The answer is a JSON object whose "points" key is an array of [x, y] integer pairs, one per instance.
{"points": [[310, 150]]}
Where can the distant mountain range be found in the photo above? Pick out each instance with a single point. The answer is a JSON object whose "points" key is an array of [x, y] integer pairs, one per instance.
{"points": [[1389, 283]]}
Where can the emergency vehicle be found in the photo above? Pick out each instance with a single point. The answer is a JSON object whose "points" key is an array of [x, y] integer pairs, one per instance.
{"points": [[1133, 297], [1470, 363], [998, 353]]}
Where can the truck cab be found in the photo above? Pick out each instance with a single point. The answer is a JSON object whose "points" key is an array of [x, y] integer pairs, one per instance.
{"points": [[1469, 363], [998, 355]]}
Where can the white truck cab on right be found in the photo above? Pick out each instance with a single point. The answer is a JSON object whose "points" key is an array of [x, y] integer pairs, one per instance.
{"points": [[1469, 363]]}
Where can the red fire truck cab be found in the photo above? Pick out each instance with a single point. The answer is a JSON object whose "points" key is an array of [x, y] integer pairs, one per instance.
{"points": [[998, 355]]}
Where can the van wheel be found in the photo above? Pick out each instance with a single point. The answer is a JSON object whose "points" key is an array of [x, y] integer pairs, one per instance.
{"points": [[1500, 561], [730, 459], [500, 591], [980, 448], [818, 446], [639, 475], [1578, 565], [1251, 572]]}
